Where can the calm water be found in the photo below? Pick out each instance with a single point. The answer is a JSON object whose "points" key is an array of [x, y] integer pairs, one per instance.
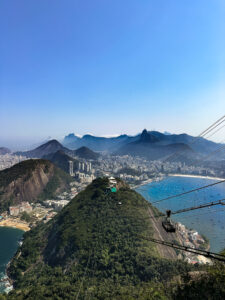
{"points": [[207, 221], [9, 238]]}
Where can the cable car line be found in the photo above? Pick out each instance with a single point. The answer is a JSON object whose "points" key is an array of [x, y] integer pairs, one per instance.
{"points": [[208, 254], [188, 192], [214, 152], [216, 131], [202, 134], [219, 202], [206, 212]]}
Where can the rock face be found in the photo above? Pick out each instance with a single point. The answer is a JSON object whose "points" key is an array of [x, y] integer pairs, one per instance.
{"points": [[30, 180], [147, 137]]}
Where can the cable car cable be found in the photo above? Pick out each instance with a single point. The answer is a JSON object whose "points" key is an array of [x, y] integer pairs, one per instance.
{"points": [[205, 253], [190, 191]]}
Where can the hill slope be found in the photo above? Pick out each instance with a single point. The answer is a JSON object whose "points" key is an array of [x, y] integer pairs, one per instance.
{"points": [[92, 247], [61, 160], [45, 149], [31, 180], [86, 153]]}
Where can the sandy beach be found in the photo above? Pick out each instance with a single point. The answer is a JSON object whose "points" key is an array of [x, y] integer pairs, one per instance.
{"points": [[15, 224], [196, 176]]}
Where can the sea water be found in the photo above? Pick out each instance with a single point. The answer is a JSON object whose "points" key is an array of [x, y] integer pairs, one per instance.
{"points": [[9, 242], [207, 221]]}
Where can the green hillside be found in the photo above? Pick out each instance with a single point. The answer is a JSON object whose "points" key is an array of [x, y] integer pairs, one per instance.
{"points": [[91, 250]]}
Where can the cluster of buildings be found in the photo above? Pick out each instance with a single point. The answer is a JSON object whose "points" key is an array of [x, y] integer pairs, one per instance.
{"points": [[56, 204], [192, 239], [83, 167], [18, 209], [85, 172], [8, 160], [136, 170]]}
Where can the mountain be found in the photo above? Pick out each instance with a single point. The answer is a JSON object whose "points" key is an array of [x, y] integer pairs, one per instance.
{"points": [[148, 146], [61, 160], [31, 180], [97, 143], [147, 137], [93, 249], [86, 153], [45, 149], [201, 146], [4, 150]]}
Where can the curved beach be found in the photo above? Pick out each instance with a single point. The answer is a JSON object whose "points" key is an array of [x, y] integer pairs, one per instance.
{"points": [[196, 176], [15, 224]]}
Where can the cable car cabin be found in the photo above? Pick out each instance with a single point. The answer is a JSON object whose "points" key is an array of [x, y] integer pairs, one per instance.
{"points": [[167, 223], [168, 226]]}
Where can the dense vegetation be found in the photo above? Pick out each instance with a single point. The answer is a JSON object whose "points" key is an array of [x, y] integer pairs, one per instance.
{"points": [[60, 180], [209, 284], [92, 249]]}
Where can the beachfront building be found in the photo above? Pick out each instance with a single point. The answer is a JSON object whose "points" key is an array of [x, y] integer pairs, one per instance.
{"points": [[23, 207]]}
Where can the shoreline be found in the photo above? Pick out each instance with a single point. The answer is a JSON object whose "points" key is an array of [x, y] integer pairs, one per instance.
{"points": [[196, 176], [176, 175], [15, 224], [149, 181]]}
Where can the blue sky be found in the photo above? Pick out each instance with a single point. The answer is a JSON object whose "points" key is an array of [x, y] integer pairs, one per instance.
{"points": [[108, 67]]}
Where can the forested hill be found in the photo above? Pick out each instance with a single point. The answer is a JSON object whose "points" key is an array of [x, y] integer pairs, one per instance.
{"points": [[91, 249]]}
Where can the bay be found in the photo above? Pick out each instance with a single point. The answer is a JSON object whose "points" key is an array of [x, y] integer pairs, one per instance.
{"points": [[207, 221], [9, 238]]}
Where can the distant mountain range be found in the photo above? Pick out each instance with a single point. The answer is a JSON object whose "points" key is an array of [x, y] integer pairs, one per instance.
{"points": [[97, 143], [48, 149], [149, 144]]}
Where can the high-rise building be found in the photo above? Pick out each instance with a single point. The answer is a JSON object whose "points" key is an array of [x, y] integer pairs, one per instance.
{"points": [[71, 168]]}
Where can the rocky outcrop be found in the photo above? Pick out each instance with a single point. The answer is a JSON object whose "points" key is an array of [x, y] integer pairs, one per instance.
{"points": [[27, 180]]}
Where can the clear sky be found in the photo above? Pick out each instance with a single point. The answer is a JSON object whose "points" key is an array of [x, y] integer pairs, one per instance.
{"points": [[108, 67]]}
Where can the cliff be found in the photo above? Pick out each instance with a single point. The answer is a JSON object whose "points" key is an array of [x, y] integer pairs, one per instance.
{"points": [[31, 180]]}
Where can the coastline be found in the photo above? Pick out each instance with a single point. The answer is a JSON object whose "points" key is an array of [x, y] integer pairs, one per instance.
{"points": [[196, 176], [15, 224], [175, 175], [149, 181]]}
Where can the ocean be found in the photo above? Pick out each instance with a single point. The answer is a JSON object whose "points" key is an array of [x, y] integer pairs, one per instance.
{"points": [[209, 222], [9, 238]]}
